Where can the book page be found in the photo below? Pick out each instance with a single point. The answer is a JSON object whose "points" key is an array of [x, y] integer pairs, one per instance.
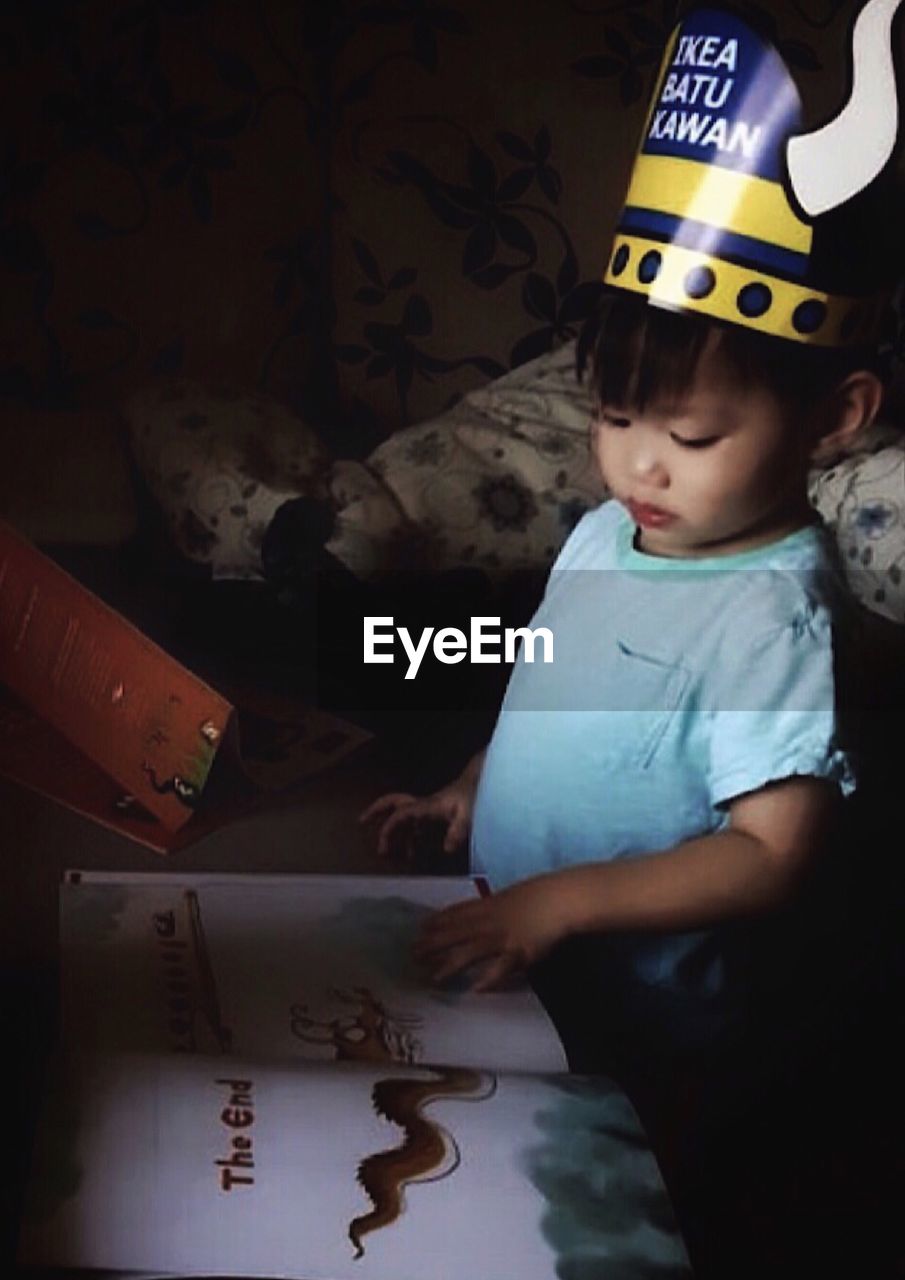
{"points": [[293, 967], [194, 1166]]}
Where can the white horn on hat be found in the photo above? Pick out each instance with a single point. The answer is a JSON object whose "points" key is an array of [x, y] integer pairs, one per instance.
{"points": [[832, 164]]}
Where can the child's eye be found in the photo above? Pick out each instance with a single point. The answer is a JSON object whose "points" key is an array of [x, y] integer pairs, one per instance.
{"points": [[615, 420], [699, 442]]}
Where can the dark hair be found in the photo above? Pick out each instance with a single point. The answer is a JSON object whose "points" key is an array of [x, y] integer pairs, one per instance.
{"points": [[638, 353]]}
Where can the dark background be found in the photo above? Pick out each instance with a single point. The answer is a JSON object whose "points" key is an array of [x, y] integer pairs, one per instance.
{"points": [[364, 210]]}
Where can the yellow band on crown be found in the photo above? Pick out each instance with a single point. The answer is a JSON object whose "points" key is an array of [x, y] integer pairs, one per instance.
{"points": [[687, 280], [719, 197]]}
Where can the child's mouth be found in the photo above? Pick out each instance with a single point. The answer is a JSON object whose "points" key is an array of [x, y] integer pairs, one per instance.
{"points": [[649, 517]]}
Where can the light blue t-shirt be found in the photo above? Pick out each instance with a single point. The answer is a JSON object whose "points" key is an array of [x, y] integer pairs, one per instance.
{"points": [[676, 685]]}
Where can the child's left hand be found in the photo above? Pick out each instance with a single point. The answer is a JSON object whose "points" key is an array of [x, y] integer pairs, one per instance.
{"points": [[503, 935]]}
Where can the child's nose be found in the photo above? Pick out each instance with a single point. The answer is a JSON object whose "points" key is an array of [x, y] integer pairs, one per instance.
{"points": [[648, 466]]}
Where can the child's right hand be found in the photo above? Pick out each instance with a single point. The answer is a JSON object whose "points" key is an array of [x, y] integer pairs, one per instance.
{"points": [[400, 815]]}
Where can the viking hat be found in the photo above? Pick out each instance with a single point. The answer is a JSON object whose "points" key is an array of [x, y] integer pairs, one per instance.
{"points": [[734, 212]]}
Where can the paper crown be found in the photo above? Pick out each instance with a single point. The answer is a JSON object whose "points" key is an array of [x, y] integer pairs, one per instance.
{"points": [[733, 212]]}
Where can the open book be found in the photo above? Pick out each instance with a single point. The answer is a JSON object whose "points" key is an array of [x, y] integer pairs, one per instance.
{"points": [[259, 1081]]}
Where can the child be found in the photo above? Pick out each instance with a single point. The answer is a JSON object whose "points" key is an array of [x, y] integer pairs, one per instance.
{"points": [[690, 715], [677, 772]]}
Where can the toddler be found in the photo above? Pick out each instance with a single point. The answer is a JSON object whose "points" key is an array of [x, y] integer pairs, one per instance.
{"points": [[651, 802], [679, 763]]}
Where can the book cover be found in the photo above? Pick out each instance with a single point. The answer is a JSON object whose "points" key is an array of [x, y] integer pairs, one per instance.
{"points": [[98, 717]]}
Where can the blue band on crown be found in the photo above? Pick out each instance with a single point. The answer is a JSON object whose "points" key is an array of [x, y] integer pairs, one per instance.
{"points": [[716, 242]]}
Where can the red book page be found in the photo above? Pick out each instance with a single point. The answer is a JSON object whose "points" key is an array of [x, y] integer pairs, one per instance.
{"points": [[136, 713]]}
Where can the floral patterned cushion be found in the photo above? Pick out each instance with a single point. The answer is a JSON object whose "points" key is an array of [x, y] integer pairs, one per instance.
{"points": [[219, 463], [495, 482], [862, 498], [499, 481]]}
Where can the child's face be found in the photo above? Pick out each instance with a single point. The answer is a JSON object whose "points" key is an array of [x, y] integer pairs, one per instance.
{"points": [[721, 471]]}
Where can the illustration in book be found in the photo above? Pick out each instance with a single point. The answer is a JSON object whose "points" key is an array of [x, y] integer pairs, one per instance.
{"points": [[428, 1152], [190, 1165], [314, 967], [369, 1032]]}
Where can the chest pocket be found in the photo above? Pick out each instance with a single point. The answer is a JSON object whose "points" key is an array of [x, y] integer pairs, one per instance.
{"points": [[651, 688]]}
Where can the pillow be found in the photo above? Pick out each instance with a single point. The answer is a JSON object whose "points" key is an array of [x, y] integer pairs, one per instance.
{"points": [[219, 462], [496, 482], [65, 477], [862, 499], [499, 480]]}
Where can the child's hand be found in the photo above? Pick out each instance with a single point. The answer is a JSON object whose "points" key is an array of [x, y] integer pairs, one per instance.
{"points": [[400, 814], [504, 934]]}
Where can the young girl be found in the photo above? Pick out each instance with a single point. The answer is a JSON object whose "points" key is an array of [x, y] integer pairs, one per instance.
{"points": [[679, 764], [673, 778]]}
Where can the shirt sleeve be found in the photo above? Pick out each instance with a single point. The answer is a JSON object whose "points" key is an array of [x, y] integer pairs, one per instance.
{"points": [[774, 715]]}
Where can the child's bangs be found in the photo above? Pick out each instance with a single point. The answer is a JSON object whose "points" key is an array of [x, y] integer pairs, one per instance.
{"points": [[642, 355]]}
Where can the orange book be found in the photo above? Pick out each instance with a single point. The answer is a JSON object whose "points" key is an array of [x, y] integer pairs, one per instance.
{"points": [[97, 716]]}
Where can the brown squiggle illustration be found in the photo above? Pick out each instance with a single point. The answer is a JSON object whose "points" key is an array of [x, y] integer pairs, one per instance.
{"points": [[427, 1152]]}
